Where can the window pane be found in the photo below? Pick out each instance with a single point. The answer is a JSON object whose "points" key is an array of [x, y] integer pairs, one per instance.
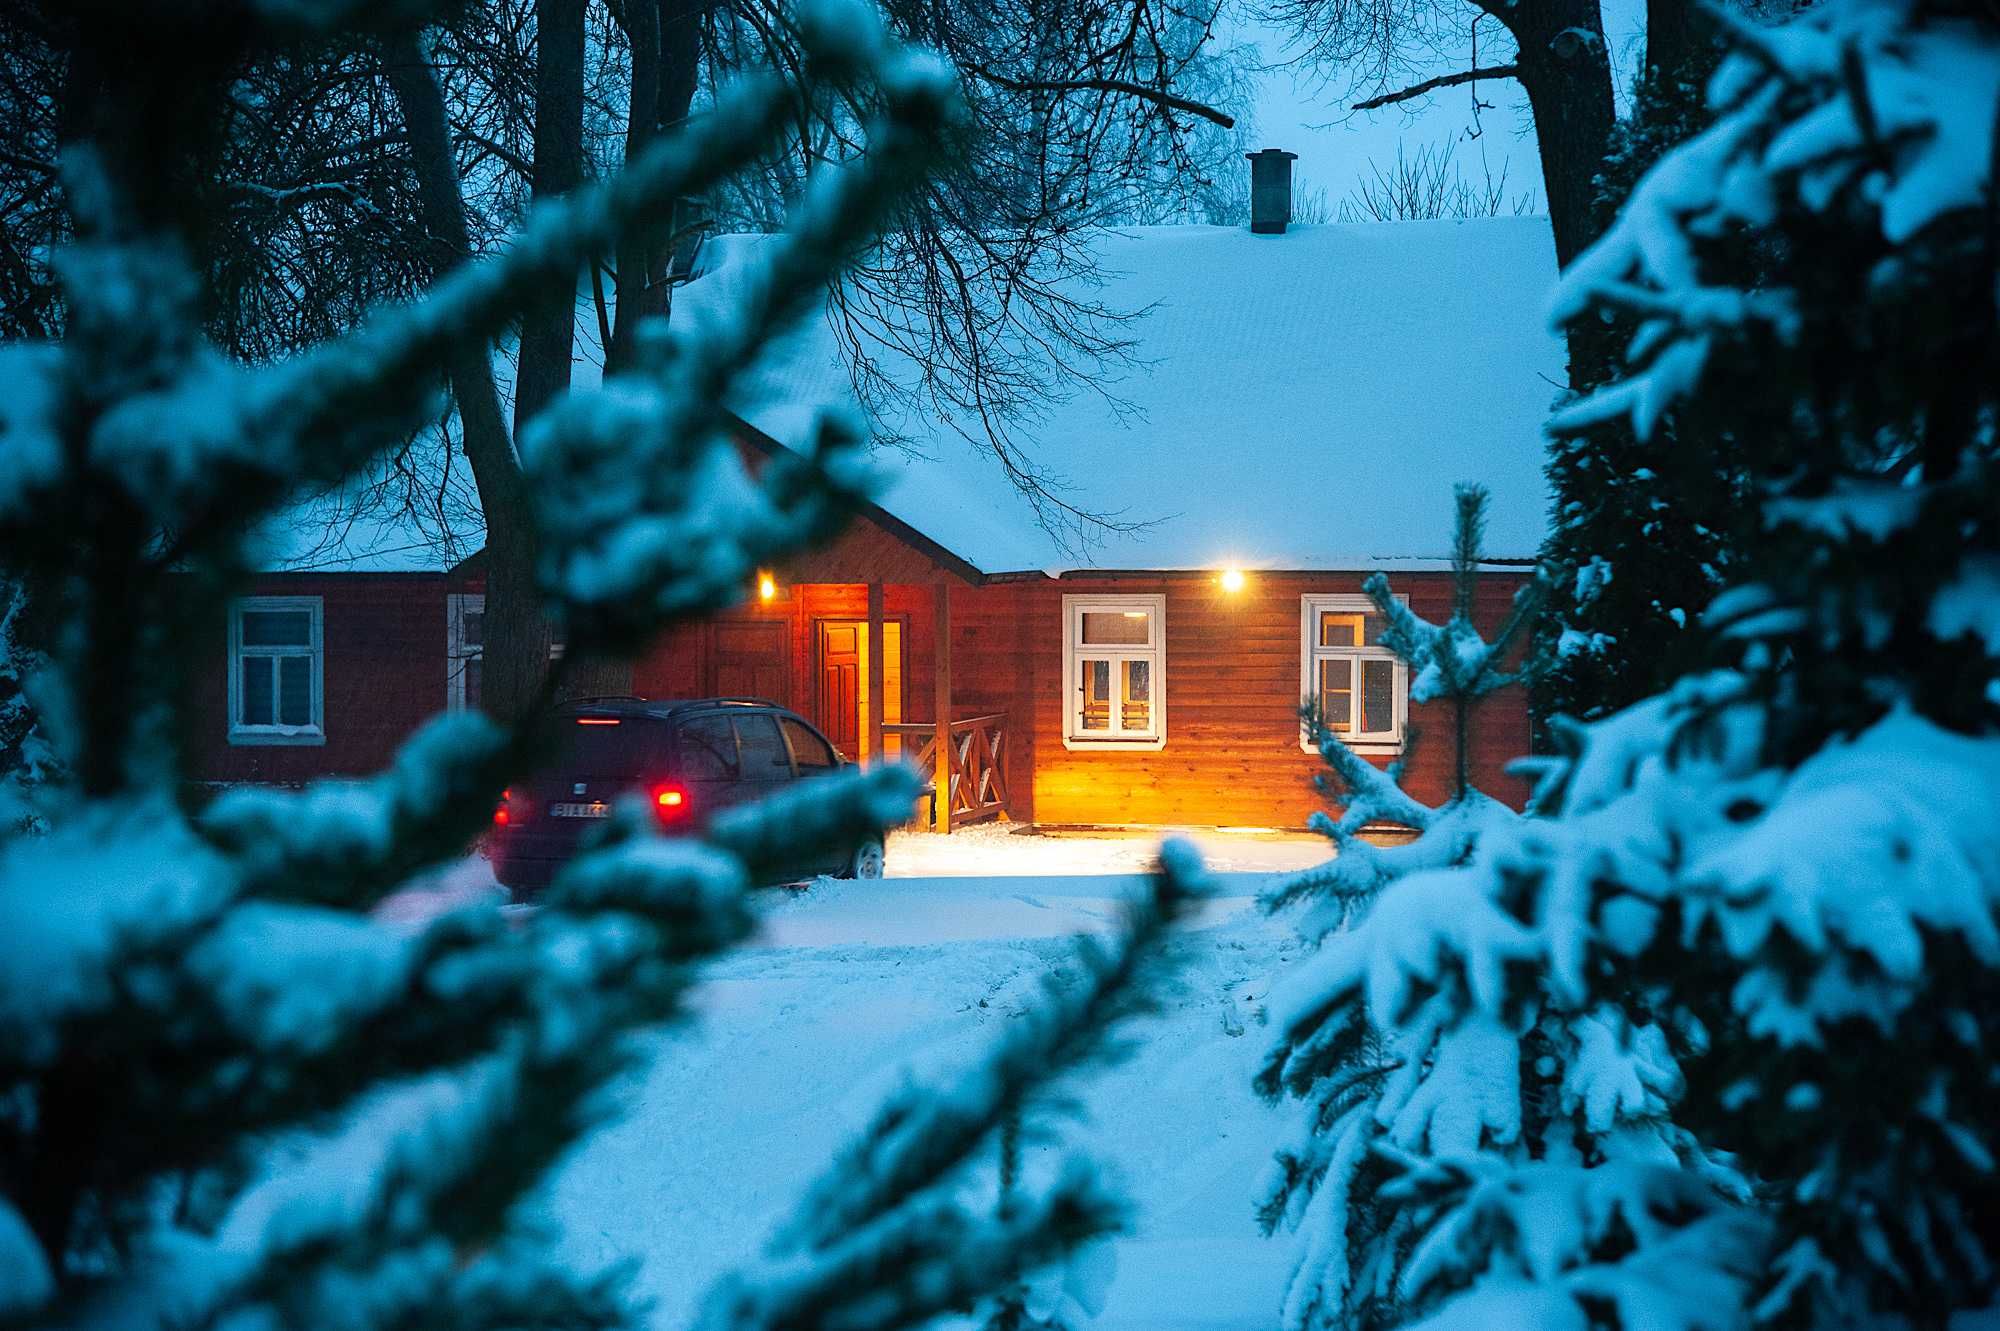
{"points": [[1336, 695], [472, 630], [255, 698], [765, 757], [1117, 628], [1339, 629], [1378, 696], [1136, 702], [277, 628], [295, 690], [708, 749], [1097, 695], [472, 671], [808, 750], [1372, 628]]}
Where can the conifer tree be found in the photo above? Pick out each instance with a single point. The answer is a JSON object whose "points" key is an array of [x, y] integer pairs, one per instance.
{"points": [[233, 1098], [1708, 1040], [1449, 663]]}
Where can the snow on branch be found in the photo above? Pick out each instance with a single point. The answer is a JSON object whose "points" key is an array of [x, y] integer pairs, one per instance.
{"points": [[1807, 113], [883, 1237]]}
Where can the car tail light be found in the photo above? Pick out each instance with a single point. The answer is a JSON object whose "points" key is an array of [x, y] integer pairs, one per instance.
{"points": [[504, 813], [669, 803]]}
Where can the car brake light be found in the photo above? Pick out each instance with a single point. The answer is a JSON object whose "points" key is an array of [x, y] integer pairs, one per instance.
{"points": [[597, 721], [669, 802], [501, 817]]}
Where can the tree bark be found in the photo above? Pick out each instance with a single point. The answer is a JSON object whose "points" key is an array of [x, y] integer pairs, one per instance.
{"points": [[1566, 72], [516, 651], [665, 36], [548, 327], [548, 330]]}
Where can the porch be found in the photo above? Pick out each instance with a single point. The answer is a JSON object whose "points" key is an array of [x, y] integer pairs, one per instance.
{"points": [[872, 665]]}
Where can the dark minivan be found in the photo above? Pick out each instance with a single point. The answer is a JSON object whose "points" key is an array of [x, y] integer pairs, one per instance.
{"points": [[688, 760]]}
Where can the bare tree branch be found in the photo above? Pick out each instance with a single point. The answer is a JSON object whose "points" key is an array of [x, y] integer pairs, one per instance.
{"points": [[1441, 81], [1158, 96]]}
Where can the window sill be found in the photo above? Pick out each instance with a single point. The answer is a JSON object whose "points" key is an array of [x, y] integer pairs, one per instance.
{"points": [[1381, 748], [1075, 745], [266, 738]]}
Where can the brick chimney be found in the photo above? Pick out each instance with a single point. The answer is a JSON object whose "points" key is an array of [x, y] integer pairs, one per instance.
{"points": [[1270, 190]]}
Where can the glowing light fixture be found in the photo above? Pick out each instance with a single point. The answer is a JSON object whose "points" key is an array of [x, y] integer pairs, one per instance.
{"points": [[1232, 580], [767, 587]]}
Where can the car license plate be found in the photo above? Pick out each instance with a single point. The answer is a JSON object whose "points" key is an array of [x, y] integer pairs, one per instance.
{"points": [[595, 809]]}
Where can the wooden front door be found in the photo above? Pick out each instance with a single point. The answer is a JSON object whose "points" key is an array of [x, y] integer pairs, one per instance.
{"points": [[842, 656], [748, 658], [841, 687]]}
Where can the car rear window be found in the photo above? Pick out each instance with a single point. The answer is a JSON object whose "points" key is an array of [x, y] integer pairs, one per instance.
{"points": [[614, 748], [765, 757]]}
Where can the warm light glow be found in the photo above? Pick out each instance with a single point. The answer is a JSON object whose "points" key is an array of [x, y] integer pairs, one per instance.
{"points": [[597, 720], [1232, 580], [1134, 614], [767, 586], [671, 798]]}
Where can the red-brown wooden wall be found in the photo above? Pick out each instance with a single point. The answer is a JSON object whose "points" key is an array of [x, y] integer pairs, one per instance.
{"points": [[1231, 684]]}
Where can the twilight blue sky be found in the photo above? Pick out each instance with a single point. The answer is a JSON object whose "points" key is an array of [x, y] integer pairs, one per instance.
{"points": [[1294, 111]]}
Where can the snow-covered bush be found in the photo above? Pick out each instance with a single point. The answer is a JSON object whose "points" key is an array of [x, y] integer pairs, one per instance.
{"points": [[229, 1096], [1708, 1040]]}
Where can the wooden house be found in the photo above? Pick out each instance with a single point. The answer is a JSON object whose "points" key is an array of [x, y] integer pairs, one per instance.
{"points": [[1293, 415]]}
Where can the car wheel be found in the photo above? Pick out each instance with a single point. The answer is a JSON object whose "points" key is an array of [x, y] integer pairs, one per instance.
{"points": [[867, 861]]}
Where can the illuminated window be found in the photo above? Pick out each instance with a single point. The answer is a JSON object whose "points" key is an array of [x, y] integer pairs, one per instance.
{"points": [[275, 671], [1361, 689], [1114, 652]]}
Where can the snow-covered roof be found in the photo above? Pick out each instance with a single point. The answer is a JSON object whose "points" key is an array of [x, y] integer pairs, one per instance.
{"points": [[1303, 401]]}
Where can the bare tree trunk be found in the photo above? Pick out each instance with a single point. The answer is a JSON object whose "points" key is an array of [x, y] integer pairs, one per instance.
{"points": [[1566, 71], [516, 652], [665, 36], [548, 330]]}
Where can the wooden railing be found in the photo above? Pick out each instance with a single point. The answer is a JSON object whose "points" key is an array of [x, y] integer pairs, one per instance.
{"points": [[978, 757]]}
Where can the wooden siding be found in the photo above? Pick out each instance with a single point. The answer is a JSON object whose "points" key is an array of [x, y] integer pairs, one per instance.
{"points": [[384, 675], [1231, 683], [1231, 688]]}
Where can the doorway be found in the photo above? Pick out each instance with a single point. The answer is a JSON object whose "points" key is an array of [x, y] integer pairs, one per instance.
{"points": [[842, 689]]}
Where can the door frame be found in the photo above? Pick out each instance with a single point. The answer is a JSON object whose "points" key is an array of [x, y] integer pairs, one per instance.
{"points": [[902, 622]]}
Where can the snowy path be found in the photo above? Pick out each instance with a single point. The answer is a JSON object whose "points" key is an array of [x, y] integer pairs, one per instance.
{"points": [[853, 986]]}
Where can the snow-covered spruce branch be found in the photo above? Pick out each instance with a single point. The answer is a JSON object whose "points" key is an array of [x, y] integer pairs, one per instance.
{"points": [[887, 1237], [347, 843], [1450, 662], [774, 837], [931, 1254], [1809, 110]]}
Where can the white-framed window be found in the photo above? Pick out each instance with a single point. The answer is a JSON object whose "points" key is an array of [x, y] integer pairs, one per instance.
{"points": [[1115, 672], [1361, 688], [276, 671], [464, 648]]}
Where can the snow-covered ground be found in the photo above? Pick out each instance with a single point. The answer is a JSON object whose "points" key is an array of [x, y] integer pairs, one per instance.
{"points": [[852, 986]]}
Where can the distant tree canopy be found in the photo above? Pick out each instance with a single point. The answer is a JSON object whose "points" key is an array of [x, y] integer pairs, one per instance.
{"points": [[326, 191]]}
